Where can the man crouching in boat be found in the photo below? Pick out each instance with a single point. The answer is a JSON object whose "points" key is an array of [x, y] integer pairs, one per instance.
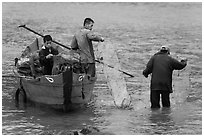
{"points": [[46, 55], [82, 43]]}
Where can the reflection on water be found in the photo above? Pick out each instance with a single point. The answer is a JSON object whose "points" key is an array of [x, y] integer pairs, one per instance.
{"points": [[162, 120], [44, 120], [160, 116], [182, 119], [39, 119]]}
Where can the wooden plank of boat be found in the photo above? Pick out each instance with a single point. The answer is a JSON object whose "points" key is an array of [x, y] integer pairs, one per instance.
{"points": [[52, 89], [115, 78]]}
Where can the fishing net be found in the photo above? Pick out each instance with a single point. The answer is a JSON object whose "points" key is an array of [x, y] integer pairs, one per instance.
{"points": [[65, 60]]}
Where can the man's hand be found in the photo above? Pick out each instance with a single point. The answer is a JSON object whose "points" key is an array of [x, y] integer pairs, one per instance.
{"points": [[49, 56], [184, 61], [146, 76], [102, 39]]}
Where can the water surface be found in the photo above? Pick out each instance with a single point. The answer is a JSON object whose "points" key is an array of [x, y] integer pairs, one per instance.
{"points": [[137, 30]]}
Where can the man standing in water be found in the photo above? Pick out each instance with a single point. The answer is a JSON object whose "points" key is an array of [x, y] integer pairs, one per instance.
{"points": [[82, 42], [161, 65]]}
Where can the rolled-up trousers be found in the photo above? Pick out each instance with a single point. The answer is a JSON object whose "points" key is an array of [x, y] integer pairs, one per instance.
{"points": [[155, 98]]}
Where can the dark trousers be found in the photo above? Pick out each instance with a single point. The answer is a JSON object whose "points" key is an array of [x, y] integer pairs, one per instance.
{"points": [[48, 67], [155, 98]]}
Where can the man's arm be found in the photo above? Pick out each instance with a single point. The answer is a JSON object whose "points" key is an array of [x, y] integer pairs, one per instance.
{"points": [[179, 65], [149, 68], [55, 51], [74, 44], [94, 37]]}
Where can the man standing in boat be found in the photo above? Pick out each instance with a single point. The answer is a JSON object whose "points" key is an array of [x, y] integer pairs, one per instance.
{"points": [[46, 55], [82, 42], [161, 65]]}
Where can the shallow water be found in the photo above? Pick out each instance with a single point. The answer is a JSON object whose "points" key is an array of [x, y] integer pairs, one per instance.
{"points": [[137, 31]]}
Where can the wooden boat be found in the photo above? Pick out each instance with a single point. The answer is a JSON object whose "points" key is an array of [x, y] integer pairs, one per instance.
{"points": [[65, 90]]}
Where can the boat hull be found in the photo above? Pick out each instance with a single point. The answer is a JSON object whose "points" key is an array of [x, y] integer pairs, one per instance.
{"points": [[58, 90]]}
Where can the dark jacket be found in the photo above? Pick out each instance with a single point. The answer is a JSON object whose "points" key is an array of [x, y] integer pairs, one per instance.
{"points": [[161, 65], [82, 41], [47, 63]]}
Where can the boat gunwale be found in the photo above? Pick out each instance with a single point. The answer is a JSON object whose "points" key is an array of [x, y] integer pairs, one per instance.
{"points": [[33, 80]]}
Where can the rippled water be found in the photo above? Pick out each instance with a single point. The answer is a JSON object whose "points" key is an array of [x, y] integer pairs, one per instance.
{"points": [[137, 30]]}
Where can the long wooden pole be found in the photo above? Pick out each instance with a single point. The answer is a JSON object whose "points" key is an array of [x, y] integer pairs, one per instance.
{"points": [[24, 26]]}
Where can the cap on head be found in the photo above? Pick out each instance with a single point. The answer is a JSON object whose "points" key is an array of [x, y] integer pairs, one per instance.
{"points": [[165, 48]]}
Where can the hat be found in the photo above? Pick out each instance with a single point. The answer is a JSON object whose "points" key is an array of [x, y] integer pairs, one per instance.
{"points": [[165, 48]]}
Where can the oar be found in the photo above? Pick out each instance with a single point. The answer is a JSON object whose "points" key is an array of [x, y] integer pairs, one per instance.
{"points": [[24, 26], [113, 67]]}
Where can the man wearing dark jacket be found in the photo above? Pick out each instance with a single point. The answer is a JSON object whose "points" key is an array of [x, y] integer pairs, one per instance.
{"points": [[46, 55], [161, 65]]}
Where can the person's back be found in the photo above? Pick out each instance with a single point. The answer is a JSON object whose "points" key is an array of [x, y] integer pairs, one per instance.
{"points": [[161, 65], [162, 72], [85, 46]]}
